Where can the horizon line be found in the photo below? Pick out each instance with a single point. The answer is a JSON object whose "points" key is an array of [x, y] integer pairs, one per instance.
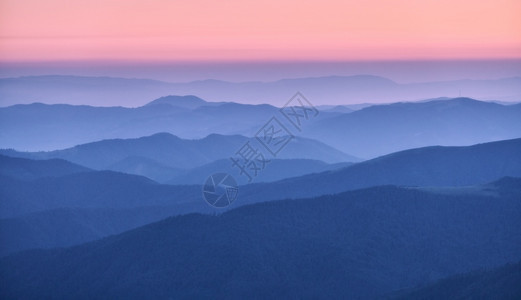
{"points": [[258, 61]]}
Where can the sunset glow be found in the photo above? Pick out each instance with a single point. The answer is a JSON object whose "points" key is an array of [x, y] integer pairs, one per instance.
{"points": [[204, 30]]}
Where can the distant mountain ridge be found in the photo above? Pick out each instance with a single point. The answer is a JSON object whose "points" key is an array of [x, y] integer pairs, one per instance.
{"points": [[37, 126], [188, 101], [158, 155], [366, 133], [381, 129], [42, 127], [329, 89]]}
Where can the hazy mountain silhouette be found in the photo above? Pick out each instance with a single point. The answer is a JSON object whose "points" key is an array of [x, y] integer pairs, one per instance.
{"points": [[37, 126], [326, 90], [80, 90], [365, 133], [382, 129], [189, 101], [98, 189], [144, 166], [498, 283], [358, 244], [335, 108], [162, 156], [276, 169], [20, 168], [28, 204], [428, 166]]}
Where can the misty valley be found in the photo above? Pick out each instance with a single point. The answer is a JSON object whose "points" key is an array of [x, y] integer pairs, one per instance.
{"points": [[405, 200]]}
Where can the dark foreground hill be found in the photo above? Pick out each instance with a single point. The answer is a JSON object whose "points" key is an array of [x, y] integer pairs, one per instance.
{"points": [[498, 283], [62, 227], [358, 244]]}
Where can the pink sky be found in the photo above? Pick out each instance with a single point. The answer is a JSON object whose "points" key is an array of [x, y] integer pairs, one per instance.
{"points": [[227, 30]]}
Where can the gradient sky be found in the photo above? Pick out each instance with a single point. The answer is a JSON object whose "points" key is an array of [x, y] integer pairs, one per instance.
{"points": [[228, 30]]}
